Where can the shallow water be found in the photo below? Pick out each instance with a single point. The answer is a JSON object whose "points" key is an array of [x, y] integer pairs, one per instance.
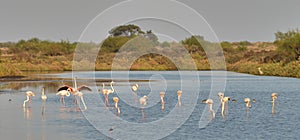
{"points": [[174, 122]]}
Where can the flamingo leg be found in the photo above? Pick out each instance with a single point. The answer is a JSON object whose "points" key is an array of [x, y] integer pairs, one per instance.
{"points": [[222, 111], [24, 103], [83, 102]]}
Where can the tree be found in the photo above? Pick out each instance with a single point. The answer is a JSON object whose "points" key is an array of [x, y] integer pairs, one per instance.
{"points": [[126, 30], [288, 45]]}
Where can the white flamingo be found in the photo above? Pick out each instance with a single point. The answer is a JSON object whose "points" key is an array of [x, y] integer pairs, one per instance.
{"points": [[143, 102], [162, 95], [179, 93], [210, 103], [224, 101], [247, 102], [106, 92], [134, 89], [274, 96], [29, 94], [62, 92], [116, 100], [260, 71], [43, 97]]}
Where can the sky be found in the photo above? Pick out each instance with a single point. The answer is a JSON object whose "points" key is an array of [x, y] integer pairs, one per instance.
{"points": [[228, 20]]}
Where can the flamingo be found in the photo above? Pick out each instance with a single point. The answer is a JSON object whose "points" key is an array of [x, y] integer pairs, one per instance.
{"points": [[106, 92], [210, 103], [179, 93], [260, 71], [116, 100], [274, 96], [29, 94], [134, 89], [43, 97], [76, 92], [247, 102], [143, 102], [62, 92], [225, 101], [162, 95]]}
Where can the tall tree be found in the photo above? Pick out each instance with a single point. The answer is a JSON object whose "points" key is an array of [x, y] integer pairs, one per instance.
{"points": [[288, 45], [126, 30]]}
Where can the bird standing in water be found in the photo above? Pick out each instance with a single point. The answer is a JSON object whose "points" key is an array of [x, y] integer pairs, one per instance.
{"points": [[179, 93], [106, 92], [274, 96], [162, 95], [116, 100], [29, 94], [210, 103]]}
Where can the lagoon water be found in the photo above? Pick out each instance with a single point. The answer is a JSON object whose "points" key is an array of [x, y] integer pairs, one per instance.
{"points": [[68, 122]]}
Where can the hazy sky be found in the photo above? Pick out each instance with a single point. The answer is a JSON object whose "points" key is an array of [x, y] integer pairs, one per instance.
{"points": [[231, 20]]}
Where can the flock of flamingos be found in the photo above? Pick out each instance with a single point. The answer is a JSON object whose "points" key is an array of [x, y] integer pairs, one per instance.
{"points": [[66, 90]]}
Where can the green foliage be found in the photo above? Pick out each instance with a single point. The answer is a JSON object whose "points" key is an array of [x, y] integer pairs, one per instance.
{"points": [[113, 44], [126, 30], [288, 45]]}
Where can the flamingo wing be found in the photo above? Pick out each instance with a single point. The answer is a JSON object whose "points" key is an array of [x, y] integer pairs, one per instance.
{"points": [[84, 87], [65, 87]]}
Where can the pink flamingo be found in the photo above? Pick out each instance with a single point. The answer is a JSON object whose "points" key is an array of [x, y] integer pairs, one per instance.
{"points": [[29, 94]]}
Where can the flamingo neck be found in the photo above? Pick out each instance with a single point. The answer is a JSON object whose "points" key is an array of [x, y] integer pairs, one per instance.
{"points": [[112, 88], [75, 83]]}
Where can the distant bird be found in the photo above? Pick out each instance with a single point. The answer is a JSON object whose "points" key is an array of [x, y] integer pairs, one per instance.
{"points": [[224, 101], [29, 94], [162, 95], [274, 96], [210, 103], [116, 100], [247, 102], [234, 100], [135, 87], [143, 101], [62, 92], [43, 97], [9, 100], [260, 71], [179, 93], [221, 96], [106, 92], [254, 100]]}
